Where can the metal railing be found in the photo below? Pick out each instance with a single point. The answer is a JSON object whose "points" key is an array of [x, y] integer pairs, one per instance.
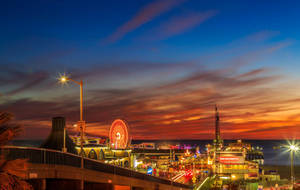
{"points": [[48, 156]]}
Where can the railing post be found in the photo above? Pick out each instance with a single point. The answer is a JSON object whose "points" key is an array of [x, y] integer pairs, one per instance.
{"points": [[44, 151], [114, 174], [44, 184]]}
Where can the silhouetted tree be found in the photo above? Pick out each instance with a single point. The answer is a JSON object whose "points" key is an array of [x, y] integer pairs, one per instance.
{"points": [[12, 172]]}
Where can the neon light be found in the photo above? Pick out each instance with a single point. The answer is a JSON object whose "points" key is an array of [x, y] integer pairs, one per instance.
{"points": [[149, 171], [118, 134], [229, 159], [224, 177]]}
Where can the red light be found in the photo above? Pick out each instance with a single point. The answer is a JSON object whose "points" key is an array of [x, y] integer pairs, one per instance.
{"points": [[188, 173], [229, 159]]}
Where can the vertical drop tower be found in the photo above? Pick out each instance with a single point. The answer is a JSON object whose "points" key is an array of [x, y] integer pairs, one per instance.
{"points": [[218, 142]]}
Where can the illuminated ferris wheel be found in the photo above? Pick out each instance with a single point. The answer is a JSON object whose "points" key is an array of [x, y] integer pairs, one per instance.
{"points": [[119, 134]]}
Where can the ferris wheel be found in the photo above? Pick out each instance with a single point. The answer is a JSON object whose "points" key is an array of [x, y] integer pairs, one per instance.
{"points": [[119, 134]]}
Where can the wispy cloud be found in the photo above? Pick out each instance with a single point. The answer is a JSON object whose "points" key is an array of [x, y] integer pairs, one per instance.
{"points": [[29, 81], [146, 14], [180, 24], [20, 80]]}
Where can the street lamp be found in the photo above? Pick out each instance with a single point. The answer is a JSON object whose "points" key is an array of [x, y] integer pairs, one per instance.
{"points": [[292, 148], [64, 79], [64, 149]]}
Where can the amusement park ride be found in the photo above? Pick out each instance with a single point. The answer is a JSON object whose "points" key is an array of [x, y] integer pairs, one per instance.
{"points": [[119, 134]]}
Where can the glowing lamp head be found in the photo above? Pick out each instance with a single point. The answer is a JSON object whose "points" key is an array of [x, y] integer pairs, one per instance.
{"points": [[63, 79], [294, 148]]}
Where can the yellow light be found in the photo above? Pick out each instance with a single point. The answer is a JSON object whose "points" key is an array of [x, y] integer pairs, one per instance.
{"points": [[63, 79], [294, 148], [233, 177], [224, 177]]}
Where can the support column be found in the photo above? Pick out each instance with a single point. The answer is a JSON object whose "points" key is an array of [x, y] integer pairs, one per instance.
{"points": [[44, 184]]}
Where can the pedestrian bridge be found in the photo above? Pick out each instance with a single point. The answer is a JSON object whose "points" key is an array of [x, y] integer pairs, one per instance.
{"points": [[51, 169]]}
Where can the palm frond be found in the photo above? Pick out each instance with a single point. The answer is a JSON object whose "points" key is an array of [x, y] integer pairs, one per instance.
{"points": [[5, 117], [8, 130], [12, 172]]}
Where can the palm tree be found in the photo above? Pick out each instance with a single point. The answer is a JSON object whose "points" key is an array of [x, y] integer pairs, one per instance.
{"points": [[12, 172]]}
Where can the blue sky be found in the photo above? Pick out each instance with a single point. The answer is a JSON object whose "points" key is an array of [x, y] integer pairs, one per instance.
{"points": [[40, 27], [136, 48]]}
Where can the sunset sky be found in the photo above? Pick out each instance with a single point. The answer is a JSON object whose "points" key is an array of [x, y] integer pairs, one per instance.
{"points": [[161, 65]]}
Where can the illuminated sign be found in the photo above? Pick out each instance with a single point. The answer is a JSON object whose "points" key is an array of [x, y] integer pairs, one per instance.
{"points": [[230, 158]]}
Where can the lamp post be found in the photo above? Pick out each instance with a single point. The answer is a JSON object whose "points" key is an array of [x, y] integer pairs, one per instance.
{"points": [[64, 149], [65, 79], [292, 149]]}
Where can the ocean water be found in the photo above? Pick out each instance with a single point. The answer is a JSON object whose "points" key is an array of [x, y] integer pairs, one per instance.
{"points": [[272, 156]]}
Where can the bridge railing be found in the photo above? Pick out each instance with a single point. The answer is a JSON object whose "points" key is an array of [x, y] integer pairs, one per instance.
{"points": [[41, 156], [47, 156]]}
